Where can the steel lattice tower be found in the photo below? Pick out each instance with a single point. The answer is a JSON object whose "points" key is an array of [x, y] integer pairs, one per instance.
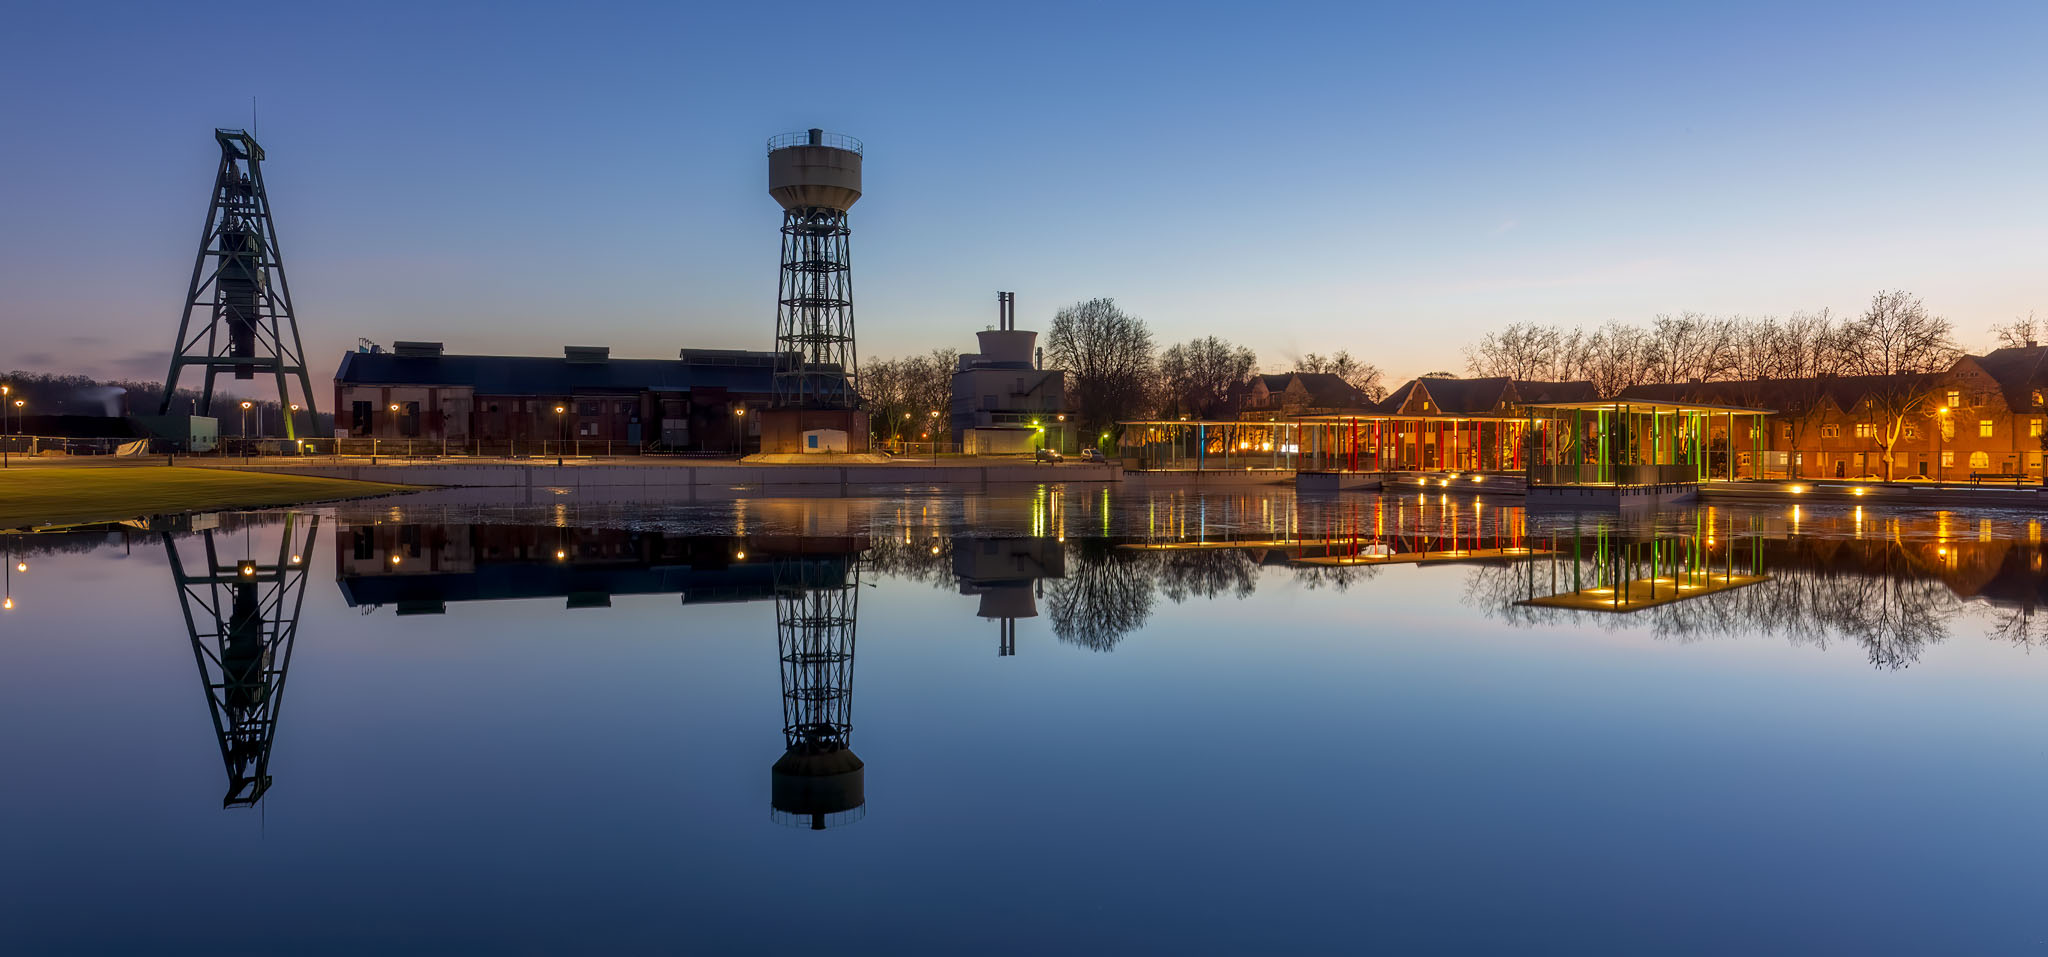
{"points": [[246, 322], [242, 617], [819, 780], [816, 177]]}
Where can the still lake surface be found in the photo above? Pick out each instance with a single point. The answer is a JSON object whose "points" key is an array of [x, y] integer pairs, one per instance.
{"points": [[1047, 719]]}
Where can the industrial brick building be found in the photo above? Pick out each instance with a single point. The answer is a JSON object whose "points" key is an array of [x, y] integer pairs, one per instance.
{"points": [[703, 401]]}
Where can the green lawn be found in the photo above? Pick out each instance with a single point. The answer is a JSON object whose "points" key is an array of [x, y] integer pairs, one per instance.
{"points": [[71, 496]]}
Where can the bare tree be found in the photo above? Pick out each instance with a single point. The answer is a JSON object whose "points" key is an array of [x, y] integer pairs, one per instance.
{"points": [[1522, 350], [1898, 339], [2019, 333], [1198, 377], [1105, 595], [1108, 356], [1618, 356], [1363, 376], [1688, 347]]}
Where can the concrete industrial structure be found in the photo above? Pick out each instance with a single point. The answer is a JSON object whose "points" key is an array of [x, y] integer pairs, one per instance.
{"points": [[703, 401], [1003, 403], [816, 177]]}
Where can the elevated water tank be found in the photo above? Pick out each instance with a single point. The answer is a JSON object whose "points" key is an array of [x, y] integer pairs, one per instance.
{"points": [[814, 170]]}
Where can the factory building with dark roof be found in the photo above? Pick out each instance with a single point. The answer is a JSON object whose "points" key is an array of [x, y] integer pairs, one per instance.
{"points": [[702, 401]]}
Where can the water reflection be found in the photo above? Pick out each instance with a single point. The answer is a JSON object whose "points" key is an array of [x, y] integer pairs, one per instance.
{"points": [[242, 615]]}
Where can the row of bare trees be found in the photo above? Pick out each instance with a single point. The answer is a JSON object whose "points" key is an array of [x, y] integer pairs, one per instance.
{"points": [[1115, 372], [1894, 335], [908, 397]]}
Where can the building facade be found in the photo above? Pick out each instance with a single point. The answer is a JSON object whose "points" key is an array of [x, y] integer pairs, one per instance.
{"points": [[703, 401], [1984, 416], [1003, 403]]}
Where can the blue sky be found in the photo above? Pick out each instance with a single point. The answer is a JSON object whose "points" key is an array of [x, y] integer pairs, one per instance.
{"points": [[1391, 179]]}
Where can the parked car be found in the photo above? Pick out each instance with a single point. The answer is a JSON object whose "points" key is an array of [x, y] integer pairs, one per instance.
{"points": [[1048, 455], [1093, 455]]}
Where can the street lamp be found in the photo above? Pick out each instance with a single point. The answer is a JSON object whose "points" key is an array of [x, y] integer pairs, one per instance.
{"points": [[932, 425], [5, 432], [561, 431], [1941, 433], [739, 432], [246, 406]]}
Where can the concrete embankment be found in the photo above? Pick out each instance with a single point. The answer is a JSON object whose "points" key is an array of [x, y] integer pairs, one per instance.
{"points": [[681, 476], [1908, 494]]}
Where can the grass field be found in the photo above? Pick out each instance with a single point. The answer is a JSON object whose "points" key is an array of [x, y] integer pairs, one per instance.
{"points": [[72, 496]]}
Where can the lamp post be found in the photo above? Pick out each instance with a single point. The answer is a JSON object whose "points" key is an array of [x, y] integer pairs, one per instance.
{"points": [[5, 432], [739, 430], [932, 427], [561, 427], [1941, 435], [1062, 434], [246, 406], [19, 405], [293, 422]]}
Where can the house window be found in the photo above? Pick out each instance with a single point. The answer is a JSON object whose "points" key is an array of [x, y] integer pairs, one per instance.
{"points": [[1866, 430], [1830, 431], [1785, 431], [359, 418], [409, 420], [1948, 459], [1979, 460], [1983, 428], [2034, 428], [1912, 431], [1955, 399]]}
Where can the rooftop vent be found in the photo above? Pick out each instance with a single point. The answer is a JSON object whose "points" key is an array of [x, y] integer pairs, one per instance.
{"points": [[587, 353], [417, 350]]}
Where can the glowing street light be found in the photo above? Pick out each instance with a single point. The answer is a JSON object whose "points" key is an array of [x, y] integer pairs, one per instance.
{"points": [[561, 431]]}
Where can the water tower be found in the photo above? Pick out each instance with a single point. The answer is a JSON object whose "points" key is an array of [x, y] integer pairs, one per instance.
{"points": [[815, 175], [818, 782]]}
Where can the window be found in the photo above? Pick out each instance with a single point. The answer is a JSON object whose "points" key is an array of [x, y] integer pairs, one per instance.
{"points": [[1948, 459], [1955, 399], [409, 419], [1785, 431], [1830, 431], [1866, 430], [2034, 428], [1979, 460], [1912, 431], [1983, 428], [359, 418]]}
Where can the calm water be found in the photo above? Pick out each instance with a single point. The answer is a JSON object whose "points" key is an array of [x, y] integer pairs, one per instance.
{"points": [[1027, 722]]}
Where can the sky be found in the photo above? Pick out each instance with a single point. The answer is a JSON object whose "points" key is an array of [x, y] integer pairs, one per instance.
{"points": [[1391, 179]]}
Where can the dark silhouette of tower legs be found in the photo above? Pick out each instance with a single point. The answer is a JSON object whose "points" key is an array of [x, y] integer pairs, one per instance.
{"points": [[242, 617], [818, 780], [246, 322]]}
